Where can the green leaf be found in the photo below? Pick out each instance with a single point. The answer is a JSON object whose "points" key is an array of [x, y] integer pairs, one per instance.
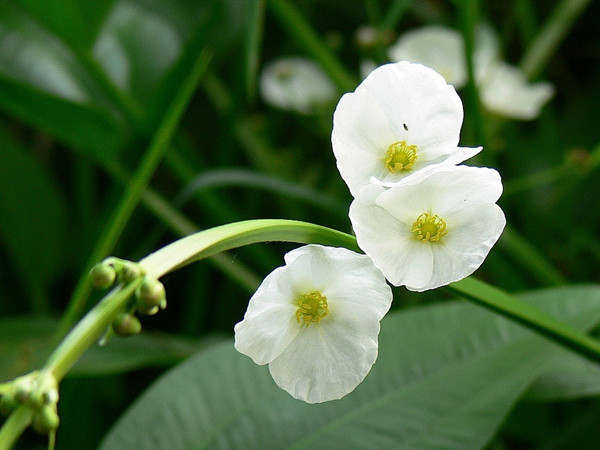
{"points": [[76, 22], [43, 82], [446, 377], [569, 377], [30, 202], [24, 346]]}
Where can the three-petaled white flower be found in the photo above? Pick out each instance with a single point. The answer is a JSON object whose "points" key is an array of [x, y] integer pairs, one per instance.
{"points": [[402, 118], [503, 88], [431, 229], [296, 84], [315, 321]]}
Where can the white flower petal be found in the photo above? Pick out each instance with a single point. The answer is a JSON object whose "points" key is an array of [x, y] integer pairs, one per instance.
{"points": [[486, 52], [463, 198], [360, 138], [505, 91], [437, 47], [442, 190], [396, 102], [296, 84], [465, 246], [328, 361], [269, 324]]}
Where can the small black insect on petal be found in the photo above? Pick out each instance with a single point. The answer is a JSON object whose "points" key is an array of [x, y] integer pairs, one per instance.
{"points": [[405, 127]]}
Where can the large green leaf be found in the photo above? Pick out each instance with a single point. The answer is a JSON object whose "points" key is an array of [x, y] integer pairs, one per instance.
{"points": [[569, 376], [446, 377], [32, 215], [44, 82]]}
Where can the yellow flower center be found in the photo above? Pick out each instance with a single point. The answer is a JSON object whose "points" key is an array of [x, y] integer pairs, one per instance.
{"points": [[400, 156], [429, 227], [312, 308]]}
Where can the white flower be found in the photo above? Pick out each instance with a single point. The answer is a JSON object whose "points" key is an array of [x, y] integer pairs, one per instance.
{"points": [[315, 321], [432, 229], [296, 84], [437, 47], [402, 118], [505, 91], [503, 88]]}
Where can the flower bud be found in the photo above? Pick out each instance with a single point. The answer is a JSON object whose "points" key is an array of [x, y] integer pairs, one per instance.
{"points": [[146, 310], [103, 275], [130, 271], [46, 420], [126, 325], [151, 293]]}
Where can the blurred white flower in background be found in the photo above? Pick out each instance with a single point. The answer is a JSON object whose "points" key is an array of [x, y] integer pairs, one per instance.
{"points": [[296, 84], [505, 91], [503, 88], [402, 118], [437, 47], [431, 229], [315, 321]]}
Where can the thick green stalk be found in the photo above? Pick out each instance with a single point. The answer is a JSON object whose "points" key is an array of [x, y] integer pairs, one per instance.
{"points": [[135, 188], [89, 329], [296, 25], [551, 35], [14, 426]]}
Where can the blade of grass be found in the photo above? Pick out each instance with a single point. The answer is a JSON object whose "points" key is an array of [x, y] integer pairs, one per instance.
{"points": [[299, 29], [530, 258], [251, 179], [395, 14], [150, 160], [182, 226], [550, 36], [252, 46], [469, 17]]}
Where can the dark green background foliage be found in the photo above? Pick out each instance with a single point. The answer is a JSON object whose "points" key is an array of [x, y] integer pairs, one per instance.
{"points": [[85, 90]]}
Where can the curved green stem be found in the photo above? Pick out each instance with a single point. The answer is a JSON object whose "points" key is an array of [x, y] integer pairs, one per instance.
{"points": [[89, 329], [14, 426], [206, 243], [135, 188]]}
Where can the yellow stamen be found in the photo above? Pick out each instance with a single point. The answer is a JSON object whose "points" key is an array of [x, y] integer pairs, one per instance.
{"points": [[312, 308], [400, 156], [429, 227]]}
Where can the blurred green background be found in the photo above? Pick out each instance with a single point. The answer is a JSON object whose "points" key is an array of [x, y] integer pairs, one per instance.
{"points": [[125, 124]]}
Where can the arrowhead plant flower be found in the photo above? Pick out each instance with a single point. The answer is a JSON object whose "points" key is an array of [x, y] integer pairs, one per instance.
{"points": [[296, 84], [504, 90], [402, 118], [437, 47], [433, 228], [315, 321]]}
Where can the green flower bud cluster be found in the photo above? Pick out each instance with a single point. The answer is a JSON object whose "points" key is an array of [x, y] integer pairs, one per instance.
{"points": [[38, 391], [104, 274], [150, 296]]}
